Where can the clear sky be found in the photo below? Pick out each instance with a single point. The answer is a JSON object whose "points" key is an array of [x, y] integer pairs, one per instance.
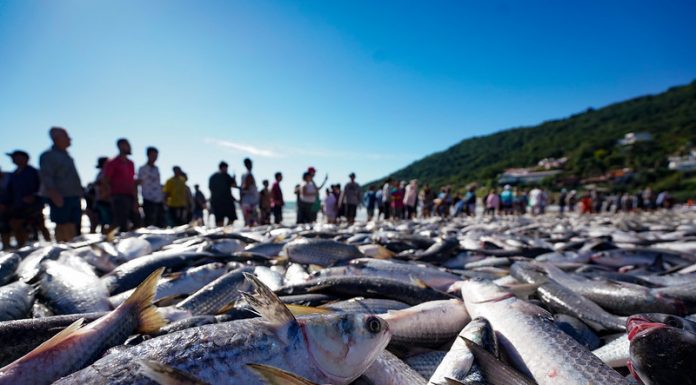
{"points": [[364, 86]]}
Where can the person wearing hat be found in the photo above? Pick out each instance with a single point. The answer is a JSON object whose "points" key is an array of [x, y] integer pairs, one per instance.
{"points": [[21, 199], [350, 198]]}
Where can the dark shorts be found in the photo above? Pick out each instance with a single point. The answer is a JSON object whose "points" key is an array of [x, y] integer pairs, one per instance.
{"points": [[71, 212], [224, 211]]}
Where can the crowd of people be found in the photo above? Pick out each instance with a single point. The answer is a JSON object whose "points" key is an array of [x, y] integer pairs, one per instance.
{"points": [[119, 199]]}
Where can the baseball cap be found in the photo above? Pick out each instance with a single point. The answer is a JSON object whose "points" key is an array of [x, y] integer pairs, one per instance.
{"points": [[17, 152]]}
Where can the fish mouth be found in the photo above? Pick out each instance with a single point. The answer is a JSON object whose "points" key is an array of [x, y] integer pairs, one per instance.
{"points": [[637, 325]]}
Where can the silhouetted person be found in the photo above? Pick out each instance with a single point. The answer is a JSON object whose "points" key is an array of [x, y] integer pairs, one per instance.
{"points": [[61, 185], [277, 201], [22, 200], [350, 198], [200, 204], [265, 204], [248, 195], [221, 199]]}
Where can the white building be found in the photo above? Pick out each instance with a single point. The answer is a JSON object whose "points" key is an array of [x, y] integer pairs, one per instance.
{"points": [[635, 137], [683, 163], [525, 176]]}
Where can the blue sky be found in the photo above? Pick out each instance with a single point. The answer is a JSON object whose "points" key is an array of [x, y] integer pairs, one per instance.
{"points": [[344, 86]]}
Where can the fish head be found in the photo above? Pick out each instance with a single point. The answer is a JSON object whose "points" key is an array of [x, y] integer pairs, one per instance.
{"points": [[476, 291], [667, 319], [343, 346]]}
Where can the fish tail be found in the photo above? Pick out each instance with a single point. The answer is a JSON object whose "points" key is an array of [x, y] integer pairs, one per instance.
{"points": [[149, 319]]}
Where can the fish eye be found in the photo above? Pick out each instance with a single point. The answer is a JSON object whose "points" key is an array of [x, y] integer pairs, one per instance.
{"points": [[373, 325], [674, 322]]}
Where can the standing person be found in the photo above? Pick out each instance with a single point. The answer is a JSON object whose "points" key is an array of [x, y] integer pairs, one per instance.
{"points": [[386, 198], [492, 202], [351, 198], [22, 199], [277, 201], [572, 200], [397, 199], [379, 203], [562, 201], [330, 206], [151, 190], [5, 229], [307, 194], [175, 197], [535, 201], [426, 198], [649, 198], [520, 202], [470, 202], [586, 203], [248, 195], [200, 204], [369, 200], [317, 202], [119, 176], [265, 203], [410, 198], [506, 200], [61, 186], [102, 204], [190, 201], [221, 198]]}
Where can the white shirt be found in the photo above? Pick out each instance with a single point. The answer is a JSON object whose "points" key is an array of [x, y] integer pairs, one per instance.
{"points": [[150, 186]]}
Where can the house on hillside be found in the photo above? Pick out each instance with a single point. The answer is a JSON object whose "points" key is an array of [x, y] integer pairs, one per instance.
{"points": [[552, 163], [683, 163], [635, 137], [525, 176]]}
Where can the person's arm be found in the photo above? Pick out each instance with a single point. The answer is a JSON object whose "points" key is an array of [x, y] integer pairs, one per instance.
{"points": [[47, 174], [326, 177]]}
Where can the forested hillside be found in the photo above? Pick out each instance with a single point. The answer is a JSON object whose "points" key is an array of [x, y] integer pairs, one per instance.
{"points": [[587, 139]]}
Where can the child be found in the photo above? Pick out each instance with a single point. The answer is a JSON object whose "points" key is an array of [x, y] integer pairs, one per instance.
{"points": [[330, 209]]}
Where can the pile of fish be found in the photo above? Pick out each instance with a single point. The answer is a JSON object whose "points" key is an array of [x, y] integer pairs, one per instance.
{"points": [[503, 301]]}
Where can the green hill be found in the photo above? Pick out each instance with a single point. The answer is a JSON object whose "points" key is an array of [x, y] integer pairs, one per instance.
{"points": [[588, 140]]}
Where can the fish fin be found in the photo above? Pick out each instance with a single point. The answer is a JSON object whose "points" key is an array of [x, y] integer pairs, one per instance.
{"points": [[149, 319], [275, 376], [298, 310], [111, 235], [452, 381], [419, 282], [169, 300], [227, 307], [495, 370], [524, 290], [56, 339], [174, 276], [167, 375], [264, 302]]}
